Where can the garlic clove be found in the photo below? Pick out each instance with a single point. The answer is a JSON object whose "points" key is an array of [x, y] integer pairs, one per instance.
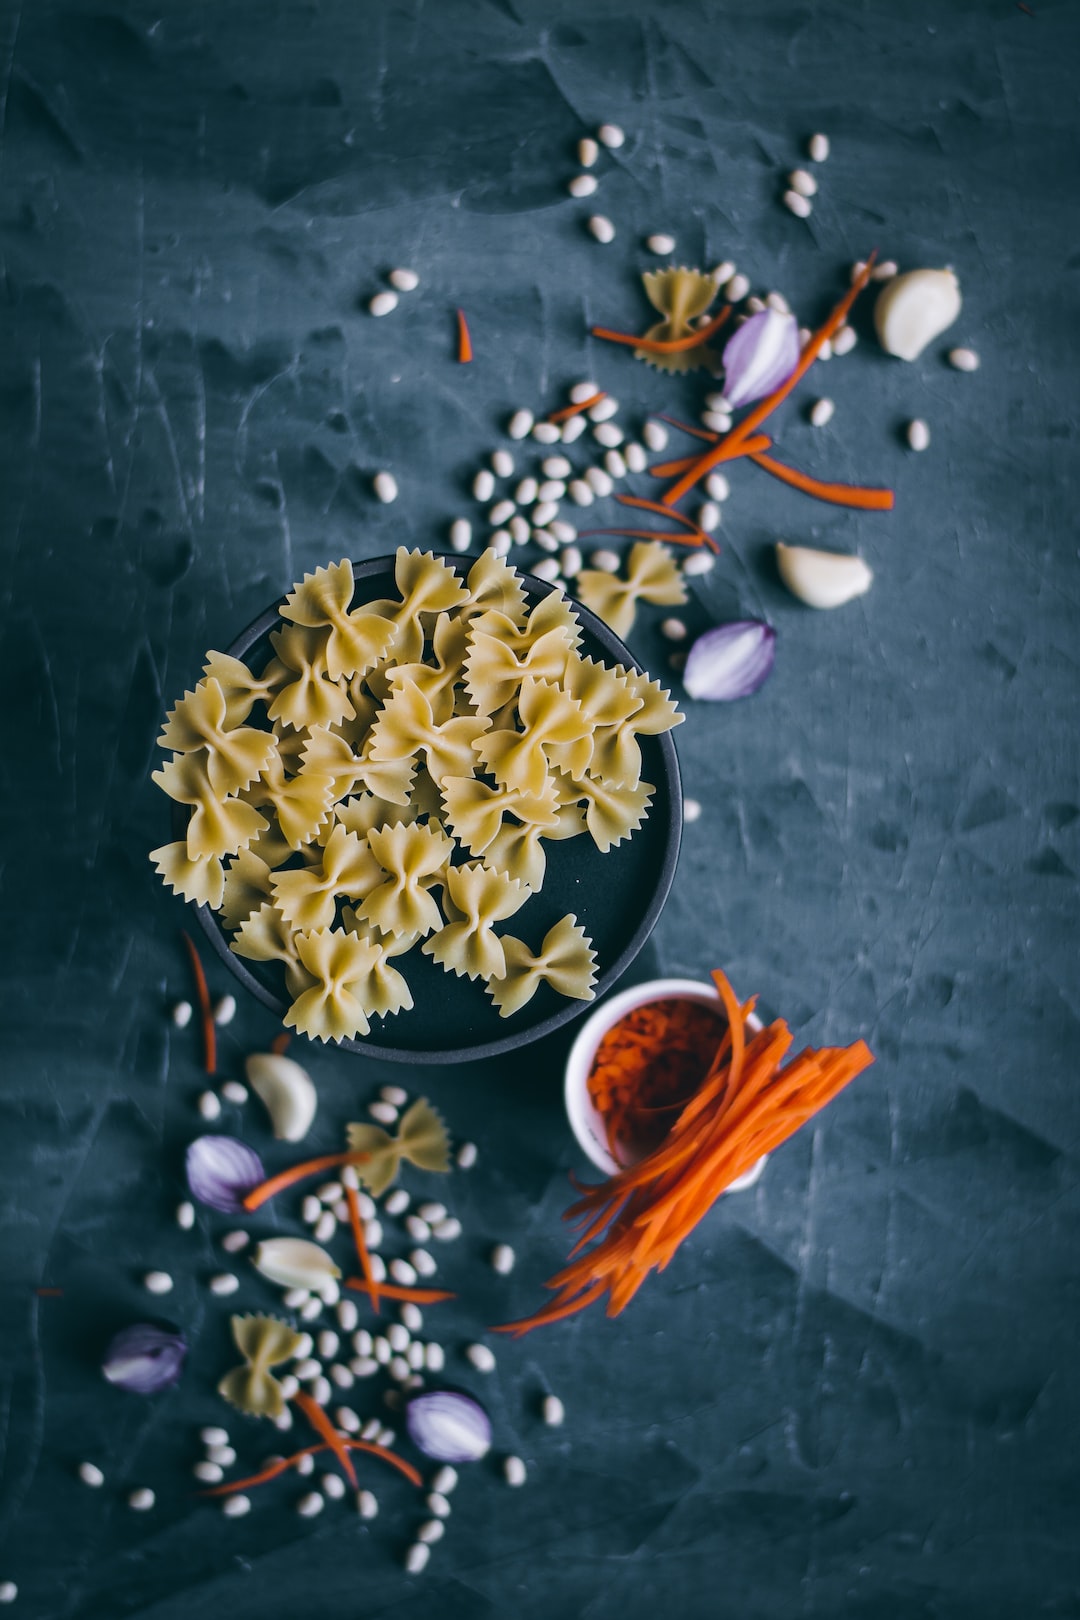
{"points": [[913, 309], [822, 579], [295, 1263], [286, 1092]]}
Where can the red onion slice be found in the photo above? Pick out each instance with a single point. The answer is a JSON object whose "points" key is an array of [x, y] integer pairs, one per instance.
{"points": [[760, 356], [730, 662], [448, 1426], [221, 1171], [144, 1358]]}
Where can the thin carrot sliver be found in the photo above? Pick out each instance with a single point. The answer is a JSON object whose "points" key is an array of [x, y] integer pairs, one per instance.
{"points": [[856, 495], [353, 1200], [662, 536], [465, 351], [285, 1463], [298, 1172], [754, 418], [323, 1426], [672, 345], [206, 1011], [419, 1296], [753, 446], [280, 1043], [575, 410], [655, 506]]}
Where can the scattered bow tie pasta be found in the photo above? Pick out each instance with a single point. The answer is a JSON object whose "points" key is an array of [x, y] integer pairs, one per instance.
{"points": [[389, 780]]}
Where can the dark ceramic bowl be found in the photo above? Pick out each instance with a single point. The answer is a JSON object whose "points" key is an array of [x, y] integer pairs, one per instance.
{"points": [[617, 898]]}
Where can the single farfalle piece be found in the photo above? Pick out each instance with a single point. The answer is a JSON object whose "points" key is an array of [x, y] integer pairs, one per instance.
{"points": [[605, 695], [549, 715], [616, 756], [436, 678], [412, 858], [388, 990], [337, 1005], [421, 1139], [307, 896], [494, 672], [241, 688], [366, 812], [552, 612], [199, 879], [265, 936], [475, 810], [389, 779], [301, 803], [217, 826], [407, 727], [358, 637], [681, 296], [428, 586], [494, 586], [234, 756], [519, 852], [328, 752], [566, 961], [652, 576], [264, 1342], [306, 695], [479, 897], [247, 887], [613, 813]]}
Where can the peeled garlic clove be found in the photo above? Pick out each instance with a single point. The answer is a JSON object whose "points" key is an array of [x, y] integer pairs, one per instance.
{"points": [[286, 1091], [295, 1263], [822, 579], [913, 309]]}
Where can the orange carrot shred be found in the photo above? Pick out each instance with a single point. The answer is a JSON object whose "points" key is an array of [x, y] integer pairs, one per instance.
{"points": [[857, 495], [280, 1043], [664, 536], [670, 469], [671, 346], [298, 1172], [575, 410], [353, 1200], [465, 352], [419, 1296], [206, 1011], [283, 1464], [323, 1426]]}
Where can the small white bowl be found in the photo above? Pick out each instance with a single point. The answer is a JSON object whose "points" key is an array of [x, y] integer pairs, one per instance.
{"points": [[585, 1121]]}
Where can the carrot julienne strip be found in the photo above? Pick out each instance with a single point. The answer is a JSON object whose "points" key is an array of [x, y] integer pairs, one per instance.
{"points": [[280, 1043], [857, 495], [664, 536], [231, 1486], [575, 410], [323, 1426], [353, 1200], [298, 1172], [206, 1011], [655, 506], [685, 427], [673, 345], [753, 446], [465, 350], [754, 418], [419, 1296]]}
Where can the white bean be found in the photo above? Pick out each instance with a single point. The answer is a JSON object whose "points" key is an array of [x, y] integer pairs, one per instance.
{"points": [[328, 1344], [673, 629], [582, 185], [209, 1105], [403, 1273], [324, 1227], [466, 1153], [363, 1366], [655, 435], [817, 148], [962, 359], [609, 434], [580, 492], [397, 1335], [294, 1299], [399, 1368], [181, 1014], [481, 1356], [552, 489], [520, 425], [416, 1558], [446, 1231], [885, 271], [715, 422], [572, 429], [333, 1486], [660, 243], [342, 1376], [224, 1283], [347, 1419], [500, 542], [367, 1504], [845, 340], [373, 1234], [554, 1412], [803, 183], [602, 228], [414, 1355], [91, 1475], [544, 513], [708, 516], [499, 514], [412, 1317], [404, 280], [526, 491], [322, 1391], [309, 1505], [918, 434], [821, 412], [383, 303], [756, 305], [699, 562], [309, 1311], [636, 459], [290, 1386], [520, 529], [614, 465], [185, 1216], [347, 1315], [691, 810], [571, 562], [547, 433], [385, 486], [483, 485], [737, 289], [502, 1259], [431, 1531], [717, 487], [424, 1264], [378, 1268], [502, 465], [606, 561], [437, 1505], [213, 1435], [385, 1113], [158, 1282], [350, 1177], [611, 136], [224, 1010], [460, 534], [235, 1507], [777, 301], [587, 152], [142, 1499], [434, 1357], [444, 1479], [547, 569], [417, 1228], [598, 480], [514, 1470], [209, 1473], [233, 1092]]}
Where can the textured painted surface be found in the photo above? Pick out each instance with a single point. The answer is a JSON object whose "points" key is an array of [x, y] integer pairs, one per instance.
{"points": [[855, 1391]]}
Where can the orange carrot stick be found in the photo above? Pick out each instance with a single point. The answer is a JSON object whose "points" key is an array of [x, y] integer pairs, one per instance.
{"points": [[464, 350], [323, 1426], [360, 1242], [672, 345], [282, 1466], [753, 446], [419, 1296], [664, 536], [754, 418], [661, 511], [298, 1172], [206, 1011], [864, 499], [575, 410], [280, 1043]]}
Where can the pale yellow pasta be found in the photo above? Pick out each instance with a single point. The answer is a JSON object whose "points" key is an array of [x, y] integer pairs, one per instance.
{"points": [[365, 811], [307, 896], [390, 779], [413, 859], [565, 960], [240, 688], [265, 936], [652, 576], [328, 752], [428, 586], [301, 803], [493, 586], [616, 755], [247, 887], [613, 813], [479, 897], [606, 696], [200, 880], [519, 851], [552, 612], [407, 727], [357, 639], [306, 696], [338, 1004], [217, 827], [494, 672], [449, 644], [475, 810], [234, 757], [517, 758]]}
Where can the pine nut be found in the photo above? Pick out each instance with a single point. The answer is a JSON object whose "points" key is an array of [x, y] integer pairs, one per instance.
{"points": [[611, 136], [547, 433], [158, 1282], [602, 228], [185, 1216], [383, 303], [385, 486], [209, 1105], [598, 480], [963, 359], [673, 629], [660, 243], [466, 1153], [91, 1475], [636, 459], [821, 412], [224, 1010], [699, 562], [588, 152], [142, 1499], [235, 1507], [817, 148], [404, 280], [582, 185], [609, 434], [918, 434], [573, 429], [460, 534], [655, 435], [520, 426], [481, 1356], [181, 1014], [403, 1273], [502, 1259], [311, 1504], [802, 183], [737, 289], [514, 1471]]}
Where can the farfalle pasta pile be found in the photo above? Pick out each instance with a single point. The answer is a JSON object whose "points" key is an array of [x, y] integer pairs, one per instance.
{"points": [[415, 756]]}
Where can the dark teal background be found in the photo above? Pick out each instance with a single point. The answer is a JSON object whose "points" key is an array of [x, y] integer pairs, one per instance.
{"points": [[854, 1392]]}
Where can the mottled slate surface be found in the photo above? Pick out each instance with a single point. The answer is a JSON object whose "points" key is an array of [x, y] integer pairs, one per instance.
{"points": [[854, 1391]]}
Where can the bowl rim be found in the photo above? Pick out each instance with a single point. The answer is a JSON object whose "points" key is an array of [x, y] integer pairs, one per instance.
{"points": [[615, 649], [585, 1121]]}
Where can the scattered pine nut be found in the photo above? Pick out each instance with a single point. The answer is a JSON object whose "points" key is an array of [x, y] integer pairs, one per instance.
{"points": [[519, 428], [310, 1210], [544, 511], [660, 243], [417, 1228], [845, 340], [821, 412], [481, 1356], [437, 1505], [602, 228], [737, 289], [499, 514], [223, 1283], [673, 629], [185, 1216], [209, 1105], [502, 1259], [142, 1499], [403, 1273], [500, 542], [611, 136], [311, 1504], [582, 185], [573, 429], [431, 1531], [571, 562], [225, 1010], [502, 465], [636, 459], [333, 1486], [385, 486], [342, 1376], [411, 1316], [483, 485], [723, 272], [309, 1311], [918, 434], [158, 1282], [324, 1227], [552, 489], [555, 467], [362, 1342], [717, 487], [397, 1202], [347, 1315], [553, 1410], [397, 1336], [444, 1479], [385, 1113], [699, 562], [514, 1471], [803, 183], [716, 422], [598, 481], [608, 434], [414, 1355], [363, 1366], [446, 1231], [181, 1014], [347, 1419], [546, 569], [235, 1507], [800, 206], [587, 152], [213, 1435], [460, 534], [708, 516], [466, 1153], [404, 280], [603, 410], [233, 1092], [328, 1344], [963, 359], [233, 1242], [606, 561], [817, 148], [434, 1357], [691, 810], [209, 1473], [398, 1368], [416, 1558], [526, 492], [378, 1267], [91, 1475], [580, 493], [367, 1504], [655, 435], [383, 303], [885, 271], [547, 433]]}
